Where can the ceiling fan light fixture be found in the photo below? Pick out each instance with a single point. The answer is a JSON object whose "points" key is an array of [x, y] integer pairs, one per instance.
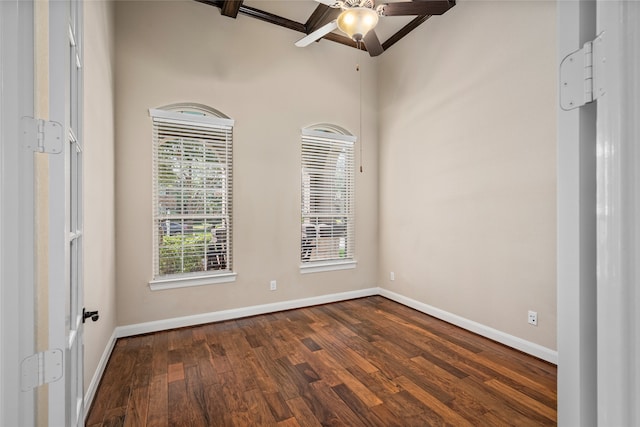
{"points": [[356, 22]]}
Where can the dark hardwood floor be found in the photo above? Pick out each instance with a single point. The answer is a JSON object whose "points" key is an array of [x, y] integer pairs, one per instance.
{"points": [[364, 362]]}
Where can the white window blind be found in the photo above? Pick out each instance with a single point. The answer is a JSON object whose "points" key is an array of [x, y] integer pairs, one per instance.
{"points": [[192, 194], [328, 232]]}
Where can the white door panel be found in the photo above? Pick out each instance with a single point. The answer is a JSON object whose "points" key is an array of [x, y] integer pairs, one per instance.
{"points": [[66, 405], [618, 207]]}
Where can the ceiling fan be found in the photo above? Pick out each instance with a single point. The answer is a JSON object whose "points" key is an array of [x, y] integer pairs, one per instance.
{"points": [[359, 17]]}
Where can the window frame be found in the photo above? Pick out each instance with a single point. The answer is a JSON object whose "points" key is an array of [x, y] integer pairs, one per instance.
{"points": [[201, 117], [328, 134]]}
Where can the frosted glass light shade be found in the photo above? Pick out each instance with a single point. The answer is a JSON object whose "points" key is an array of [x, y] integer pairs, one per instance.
{"points": [[356, 22]]}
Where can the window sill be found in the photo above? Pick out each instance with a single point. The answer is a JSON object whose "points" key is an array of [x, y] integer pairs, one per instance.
{"points": [[318, 267], [187, 282]]}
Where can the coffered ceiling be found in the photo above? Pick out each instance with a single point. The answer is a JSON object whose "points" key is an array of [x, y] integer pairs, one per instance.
{"points": [[306, 16]]}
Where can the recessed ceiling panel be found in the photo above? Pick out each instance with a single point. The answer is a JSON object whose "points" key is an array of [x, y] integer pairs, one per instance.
{"points": [[294, 14], [295, 10]]}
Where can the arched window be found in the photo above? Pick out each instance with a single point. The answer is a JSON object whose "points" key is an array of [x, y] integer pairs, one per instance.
{"points": [[328, 200], [192, 196]]}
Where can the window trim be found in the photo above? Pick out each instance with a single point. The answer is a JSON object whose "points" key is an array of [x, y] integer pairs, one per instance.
{"points": [[176, 114], [196, 280], [322, 266], [182, 118], [330, 133], [336, 133]]}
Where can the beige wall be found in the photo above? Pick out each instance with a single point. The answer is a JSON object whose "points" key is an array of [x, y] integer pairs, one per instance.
{"points": [[184, 51], [467, 165], [41, 225], [99, 211]]}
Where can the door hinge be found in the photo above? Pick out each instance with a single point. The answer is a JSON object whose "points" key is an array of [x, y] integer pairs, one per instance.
{"points": [[42, 136], [582, 75], [41, 368]]}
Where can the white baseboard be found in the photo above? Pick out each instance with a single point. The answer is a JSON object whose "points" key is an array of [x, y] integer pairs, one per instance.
{"points": [[236, 313], [97, 375], [528, 347]]}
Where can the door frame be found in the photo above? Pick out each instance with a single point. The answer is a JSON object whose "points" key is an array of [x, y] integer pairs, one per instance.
{"points": [[17, 211], [576, 259]]}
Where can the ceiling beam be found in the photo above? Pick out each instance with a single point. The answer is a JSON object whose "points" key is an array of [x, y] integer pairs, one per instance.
{"points": [[272, 19], [404, 31], [258, 14], [231, 8], [419, 7]]}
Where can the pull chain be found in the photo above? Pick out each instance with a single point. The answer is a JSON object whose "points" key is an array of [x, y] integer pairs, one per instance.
{"points": [[360, 90]]}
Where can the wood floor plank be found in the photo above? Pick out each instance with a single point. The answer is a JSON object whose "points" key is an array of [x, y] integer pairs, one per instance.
{"points": [[340, 347], [489, 369], [463, 402], [359, 408], [115, 417], [232, 393], [160, 348], [175, 372], [504, 409], [219, 415], [432, 402], [259, 408], [522, 399], [345, 377], [302, 413], [342, 414], [264, 380], [531, 368], [378, 382], [411, 410], [321, 364], [289, 422], [157, 414], [138, 407], [277, 405], [279, 370], [142, 369], [206, 370], [196, 396], [362, 362], [180, 412], [386, 416]]}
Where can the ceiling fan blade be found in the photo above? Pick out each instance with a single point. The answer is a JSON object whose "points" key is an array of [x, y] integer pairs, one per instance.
{"points": [[418, 7], [372, 44], [317, 34], [322, 15]]}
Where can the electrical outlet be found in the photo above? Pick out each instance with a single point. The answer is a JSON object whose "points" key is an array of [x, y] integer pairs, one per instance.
{"points": [[533, 318], [273, 285], [392, 276]]}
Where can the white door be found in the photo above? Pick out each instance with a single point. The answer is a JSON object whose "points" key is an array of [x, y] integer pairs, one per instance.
{"points": [[618, 209], [66, 403]]}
